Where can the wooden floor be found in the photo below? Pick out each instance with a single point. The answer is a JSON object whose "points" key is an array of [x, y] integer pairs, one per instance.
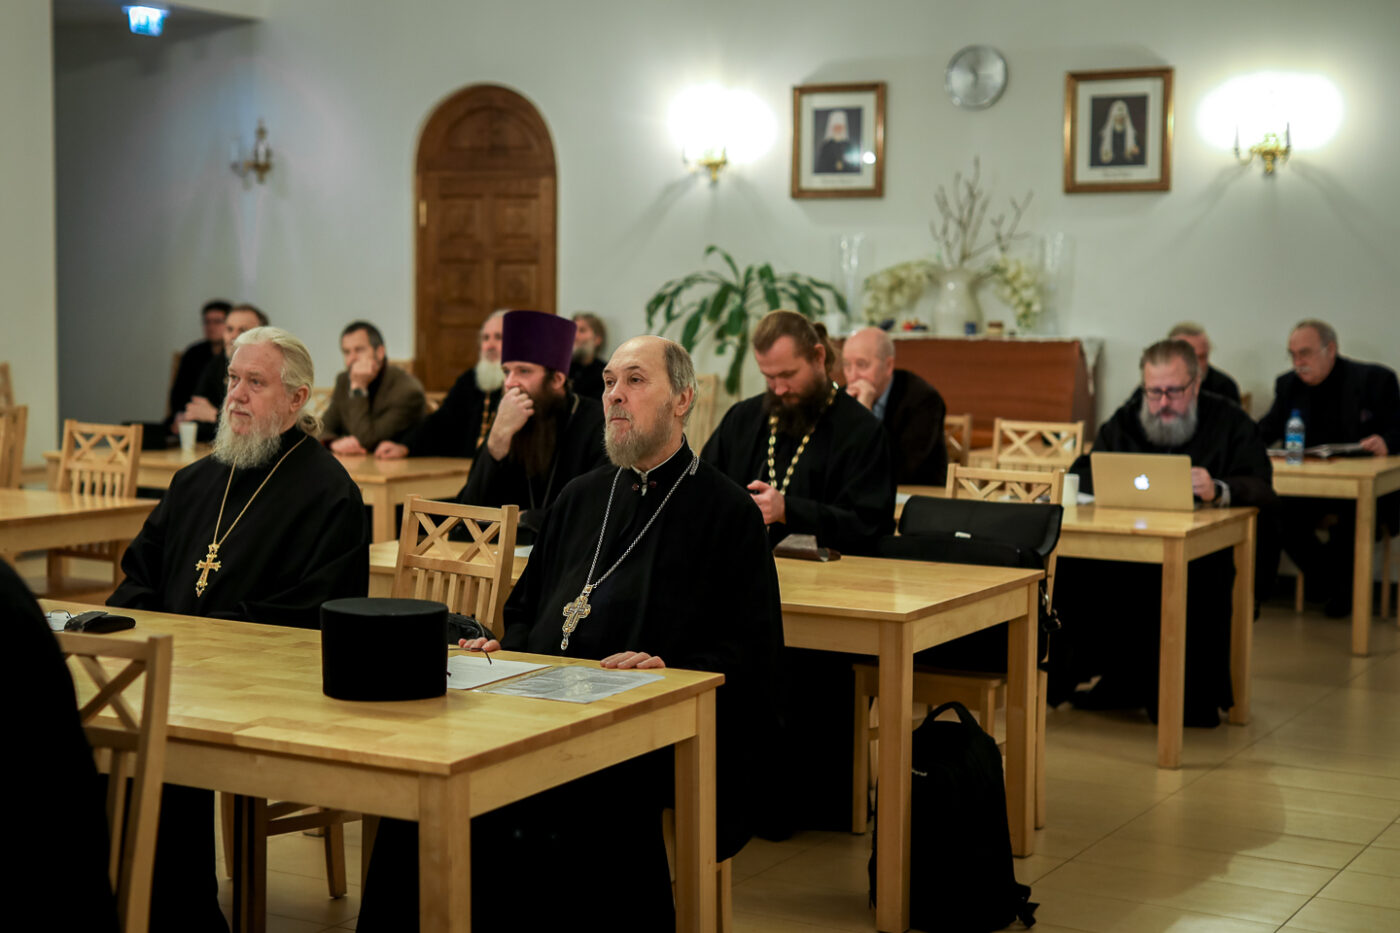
{"points": [[1289, 823]]}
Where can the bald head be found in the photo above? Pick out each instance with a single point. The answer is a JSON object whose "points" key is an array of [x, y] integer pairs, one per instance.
{"points": [[648, 393], [868, 361]]}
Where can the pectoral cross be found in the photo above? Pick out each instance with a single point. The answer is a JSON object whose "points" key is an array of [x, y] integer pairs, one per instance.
{"points": [[204, 566], [574, 613]]}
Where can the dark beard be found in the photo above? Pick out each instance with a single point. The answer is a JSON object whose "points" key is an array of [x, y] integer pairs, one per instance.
{"points": [[797, 420], [533, 445]]}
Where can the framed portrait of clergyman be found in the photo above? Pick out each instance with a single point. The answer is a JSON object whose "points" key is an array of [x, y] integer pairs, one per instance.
{"points": [[1118, 130], [838, 141]]}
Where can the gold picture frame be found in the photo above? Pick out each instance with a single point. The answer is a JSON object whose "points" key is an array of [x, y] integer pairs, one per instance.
{"points": [[838, 140], [1118, 130]]}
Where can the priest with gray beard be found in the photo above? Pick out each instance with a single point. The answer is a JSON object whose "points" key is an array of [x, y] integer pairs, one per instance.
{"points": [[1111, 610], [264, 530]]}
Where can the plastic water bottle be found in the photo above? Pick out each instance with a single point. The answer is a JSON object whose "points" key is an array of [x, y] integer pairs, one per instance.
{"points": [[1293, 438]]}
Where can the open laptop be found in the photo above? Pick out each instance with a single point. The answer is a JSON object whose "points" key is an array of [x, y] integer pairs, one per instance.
{"points": [[1142, 481]]}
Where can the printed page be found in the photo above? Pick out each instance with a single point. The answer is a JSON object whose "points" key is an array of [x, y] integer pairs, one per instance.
{"points": [[467, 671], [574, 684]]}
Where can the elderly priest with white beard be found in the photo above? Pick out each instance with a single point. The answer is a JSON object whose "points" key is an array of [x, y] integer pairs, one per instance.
{"points": [[1111, 611], [264, 530], [672, 561]]}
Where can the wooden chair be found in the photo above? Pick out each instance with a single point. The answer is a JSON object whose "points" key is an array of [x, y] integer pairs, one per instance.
{"points": [[979, 692], [1386, 566], [724, 872], [471, 577], [96, 460], [7, 391], [130, 746], [320, 400], [14, 422], [957, 436], [1036, 445], [435, 400], [703, 415]]}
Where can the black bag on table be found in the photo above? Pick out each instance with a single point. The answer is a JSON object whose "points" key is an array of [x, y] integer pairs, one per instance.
{"points": [[960, 868]]}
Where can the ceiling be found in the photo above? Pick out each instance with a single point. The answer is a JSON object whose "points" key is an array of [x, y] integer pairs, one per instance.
{"points": [[194, 12]]}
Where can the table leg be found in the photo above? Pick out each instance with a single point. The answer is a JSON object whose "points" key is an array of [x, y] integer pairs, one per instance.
{"points": [[444, 855], [1021, 723], [1242, 625], [381, 507], [1171, 671], [1361, 570], [896, 757], [249, 864], [695, 824]]}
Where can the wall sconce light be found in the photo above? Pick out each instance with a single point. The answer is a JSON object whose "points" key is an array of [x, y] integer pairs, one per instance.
{"points": [[260, 163], [716, 126], [1271, 151]]}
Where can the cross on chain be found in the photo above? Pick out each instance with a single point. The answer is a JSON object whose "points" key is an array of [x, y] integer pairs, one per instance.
{"points": [[574, 613], [204, 566]]}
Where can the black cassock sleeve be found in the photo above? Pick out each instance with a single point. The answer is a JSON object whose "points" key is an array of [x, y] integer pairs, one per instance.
{"points": [[451, 430], [142, 564], [857, 499]]}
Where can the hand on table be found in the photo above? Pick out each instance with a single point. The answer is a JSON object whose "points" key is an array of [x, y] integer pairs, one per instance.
{"points": [[388, 450], [348, 445], [769, 501], [479, 644], [1376, 445], [625, 660], [1202, 484]]}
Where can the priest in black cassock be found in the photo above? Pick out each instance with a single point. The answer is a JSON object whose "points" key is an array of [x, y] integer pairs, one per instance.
{"points": [[197, 356], [1111, 610], [681, 576], [208, 398], [459, 425], [910, 409], [544, 433], [814, 460], [1212, 379], [1341, 401], [587, 368], [264, 530]]}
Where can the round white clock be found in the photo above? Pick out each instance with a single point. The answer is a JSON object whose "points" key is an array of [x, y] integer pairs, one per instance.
{"points": [[976, 77]]}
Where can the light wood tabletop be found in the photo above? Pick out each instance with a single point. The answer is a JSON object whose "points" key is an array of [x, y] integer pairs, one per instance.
{"points": [[1364, 480], [35, 519], [247, 716], [384, 484]]}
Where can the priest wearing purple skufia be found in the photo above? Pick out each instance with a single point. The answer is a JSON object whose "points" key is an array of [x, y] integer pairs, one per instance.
{"points": [[544, 433], [672, 564]]}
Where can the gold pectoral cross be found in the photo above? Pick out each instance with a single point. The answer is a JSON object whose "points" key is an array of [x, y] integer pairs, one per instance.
{"points": [[575, 612], [204, 566]]}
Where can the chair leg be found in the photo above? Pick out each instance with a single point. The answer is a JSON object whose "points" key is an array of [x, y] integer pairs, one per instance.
{"points": [[1298, 594], [724, 890], [226, 822], [988, 712], [1041, 682], [860, 756], [1385, 575], [335, 859]]}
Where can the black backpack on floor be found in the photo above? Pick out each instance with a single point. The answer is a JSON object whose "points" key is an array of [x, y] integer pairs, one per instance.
{"points": [[960, 870]]}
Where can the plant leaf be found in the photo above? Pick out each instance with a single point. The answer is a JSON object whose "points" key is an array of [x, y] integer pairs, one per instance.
{"points": [[728, 259], [692, 326], [736, 366]]}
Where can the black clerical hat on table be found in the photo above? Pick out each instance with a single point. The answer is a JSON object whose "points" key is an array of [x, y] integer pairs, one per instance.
{"points": [[383, 649], [539, 338]]}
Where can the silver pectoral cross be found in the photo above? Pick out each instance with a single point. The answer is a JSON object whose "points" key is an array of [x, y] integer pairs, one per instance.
{"points": [[204, 566], [574, 613]]}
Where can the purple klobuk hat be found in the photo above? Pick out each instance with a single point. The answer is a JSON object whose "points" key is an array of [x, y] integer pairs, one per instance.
{"points": [[536, 337]]}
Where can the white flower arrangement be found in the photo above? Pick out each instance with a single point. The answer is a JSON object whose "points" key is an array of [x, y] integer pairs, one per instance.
{"points": [[892, 291], [1019, 286]]}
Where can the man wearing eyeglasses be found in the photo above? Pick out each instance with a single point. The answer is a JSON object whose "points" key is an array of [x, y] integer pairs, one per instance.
{"points": [[1111, 610]]}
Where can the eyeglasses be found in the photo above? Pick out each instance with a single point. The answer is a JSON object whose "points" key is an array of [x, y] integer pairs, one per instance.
{"points": [[1171, 392]]}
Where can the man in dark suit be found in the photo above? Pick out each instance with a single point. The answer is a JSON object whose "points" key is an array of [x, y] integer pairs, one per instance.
{"points": [[1212, 379], [1340, 401], [911, 410]]}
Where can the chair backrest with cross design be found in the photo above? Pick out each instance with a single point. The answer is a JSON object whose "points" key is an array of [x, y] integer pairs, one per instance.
{"points": [[14, 421], [703, 410], [1036, 445], [1009, 486], [126, 727], [957, 437], [96, 460], [470, 576]]}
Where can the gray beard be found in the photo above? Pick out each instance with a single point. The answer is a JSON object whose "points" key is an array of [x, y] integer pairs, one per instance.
{"points": [[1172, 433], [489, 375], [248, 451], [636, 447]]}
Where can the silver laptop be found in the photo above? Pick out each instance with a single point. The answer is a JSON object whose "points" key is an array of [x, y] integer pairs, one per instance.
{"points": [[1142, 481]]}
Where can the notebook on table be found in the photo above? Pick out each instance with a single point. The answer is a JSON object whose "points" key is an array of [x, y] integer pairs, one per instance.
{"points": [[1142, 481]]}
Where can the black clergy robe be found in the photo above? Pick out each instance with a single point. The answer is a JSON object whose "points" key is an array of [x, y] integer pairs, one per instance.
{"points": [[578, 448], [1356, 400], [192, 362], [588, 378], [303, 540], [1111, 610], [1221, 384], [914, 414], [842, 489], [698, 590], [460, 424], [212, 384]]}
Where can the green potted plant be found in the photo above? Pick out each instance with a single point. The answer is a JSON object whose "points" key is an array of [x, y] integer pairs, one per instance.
{"points": [[713, 304]]}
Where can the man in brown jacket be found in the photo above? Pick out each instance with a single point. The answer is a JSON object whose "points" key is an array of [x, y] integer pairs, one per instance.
{"points": [[372, 401]]}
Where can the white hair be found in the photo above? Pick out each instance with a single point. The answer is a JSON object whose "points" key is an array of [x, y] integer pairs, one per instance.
{"points": [[1119, 107], [297, 368]]}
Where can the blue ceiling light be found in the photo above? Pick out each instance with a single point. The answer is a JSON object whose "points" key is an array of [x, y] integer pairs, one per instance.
{"points": [[145, 20]]}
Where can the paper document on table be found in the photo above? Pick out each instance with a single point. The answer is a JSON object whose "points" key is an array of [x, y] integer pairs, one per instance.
{"points": [[574, 684], [465, 671]]}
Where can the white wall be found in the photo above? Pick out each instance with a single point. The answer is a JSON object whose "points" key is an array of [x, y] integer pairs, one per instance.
{"points": [[151, 221], [28, 317]]}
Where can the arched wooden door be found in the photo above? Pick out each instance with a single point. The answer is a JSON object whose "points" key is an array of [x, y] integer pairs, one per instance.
{"points": [[486, 223]]}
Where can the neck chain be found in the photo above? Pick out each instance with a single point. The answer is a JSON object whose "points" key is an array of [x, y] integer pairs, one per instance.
{"points": [[210, 562], [578, 610], [773, 441]]}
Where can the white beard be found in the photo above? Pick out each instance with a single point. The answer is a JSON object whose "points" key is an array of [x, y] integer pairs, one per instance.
{"points": [[489, 375], [251, 450], [1172, 433], [636, 447]]}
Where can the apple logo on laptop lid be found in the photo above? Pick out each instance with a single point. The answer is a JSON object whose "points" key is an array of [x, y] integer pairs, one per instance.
{"points": [[1141, 482]]}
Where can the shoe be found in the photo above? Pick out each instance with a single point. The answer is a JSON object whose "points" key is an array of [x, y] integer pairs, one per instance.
{"points": [[1106, 694]]}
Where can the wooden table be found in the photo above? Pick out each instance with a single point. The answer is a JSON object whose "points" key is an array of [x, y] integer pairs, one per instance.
{"points": [[384, 484], [247, 715], [1171, 539], [1363, 479], [890, 609], [35, 519]]}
